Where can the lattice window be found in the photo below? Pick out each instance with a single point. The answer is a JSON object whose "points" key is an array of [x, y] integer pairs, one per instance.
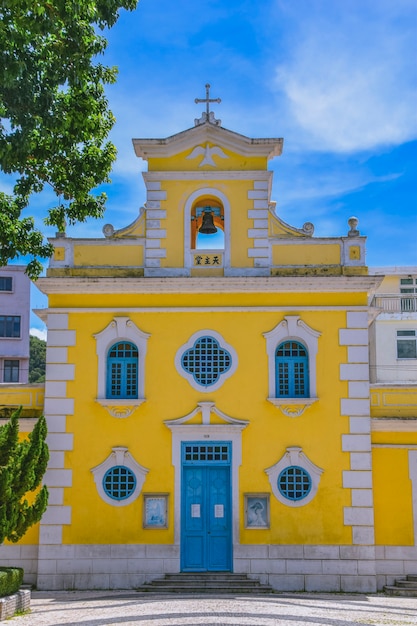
{"points": [[291, 361], [206, 453], [294, 483], [119, 482], [122, 371], [206, 361]]}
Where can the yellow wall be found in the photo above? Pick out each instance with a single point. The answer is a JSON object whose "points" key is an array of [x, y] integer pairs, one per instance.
{"points": [[243, 396], [392, 496], [395, 401], [306, 254], [180, 162], [118, 255]]}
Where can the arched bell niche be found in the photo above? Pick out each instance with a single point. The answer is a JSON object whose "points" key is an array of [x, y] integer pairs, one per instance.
{"points": [[207, 253], [207, 224]]}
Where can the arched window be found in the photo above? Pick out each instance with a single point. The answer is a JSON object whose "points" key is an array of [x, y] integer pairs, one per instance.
{"points": [[291, 370], [122, 370]]}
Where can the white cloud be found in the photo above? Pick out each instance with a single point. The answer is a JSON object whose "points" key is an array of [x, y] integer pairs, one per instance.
{"points": [[37, 332], [351, 81]]}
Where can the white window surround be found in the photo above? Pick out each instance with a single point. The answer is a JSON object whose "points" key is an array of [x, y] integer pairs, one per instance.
{"points": [[293, 328], [294, 456], [190, 202], [185, 430], [120, 329], [119, 456], [190, 377]]}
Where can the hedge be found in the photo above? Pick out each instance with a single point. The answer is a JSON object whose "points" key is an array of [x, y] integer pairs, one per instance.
{"points": [[11, 579]]}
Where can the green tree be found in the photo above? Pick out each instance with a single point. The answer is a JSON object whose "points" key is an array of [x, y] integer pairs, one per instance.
{"points": [[54, 116], [22, 466], [37, 360]]}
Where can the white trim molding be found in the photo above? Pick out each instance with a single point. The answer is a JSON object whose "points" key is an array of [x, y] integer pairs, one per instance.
{"points": [[120, 328], [292, 327], [230, 430], [119, 456], [222, 345], [190, 202], [294, 455]]}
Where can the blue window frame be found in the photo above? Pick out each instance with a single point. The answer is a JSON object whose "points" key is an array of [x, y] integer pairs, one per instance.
{"points": [[291, 370], [10, 326], [215, 452], [122, 371], [206, 361], [119, 482], [294, 483]]}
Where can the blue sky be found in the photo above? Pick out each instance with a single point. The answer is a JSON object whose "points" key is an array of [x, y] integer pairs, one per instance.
{"points": [[337, 79]]}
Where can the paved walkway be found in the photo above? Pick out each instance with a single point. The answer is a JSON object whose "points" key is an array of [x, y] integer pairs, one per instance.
{"points": [[105, 608]]}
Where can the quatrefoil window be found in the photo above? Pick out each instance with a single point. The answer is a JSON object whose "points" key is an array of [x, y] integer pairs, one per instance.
{"points": [[206, 360]]}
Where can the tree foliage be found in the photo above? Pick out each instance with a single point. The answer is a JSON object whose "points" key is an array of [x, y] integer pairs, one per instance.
{"points": [[37, 360], [54, 115], [22, 466]]}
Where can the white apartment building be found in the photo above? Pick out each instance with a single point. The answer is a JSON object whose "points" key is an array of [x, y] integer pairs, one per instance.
{"points": [[393, 333]]}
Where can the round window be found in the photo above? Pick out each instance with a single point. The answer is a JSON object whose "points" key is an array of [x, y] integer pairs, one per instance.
{"points": [[294, 483], [119, 482]]}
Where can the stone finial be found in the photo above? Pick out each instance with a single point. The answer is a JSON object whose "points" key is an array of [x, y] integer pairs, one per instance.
{"points": [[353, 222], [108, 230], [308, 229]]}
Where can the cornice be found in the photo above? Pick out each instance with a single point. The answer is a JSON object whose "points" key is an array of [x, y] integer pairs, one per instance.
{"points": [[150, 148], [256, 284], [208, 175]]}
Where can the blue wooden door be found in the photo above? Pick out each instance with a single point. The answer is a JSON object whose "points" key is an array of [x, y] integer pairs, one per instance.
{"points": [[206, 524]]}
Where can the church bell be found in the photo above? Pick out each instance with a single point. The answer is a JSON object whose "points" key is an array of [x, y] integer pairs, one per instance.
{"points": [[207, 227]]}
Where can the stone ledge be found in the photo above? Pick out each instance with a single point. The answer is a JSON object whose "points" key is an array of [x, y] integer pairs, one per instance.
{"points": [[19, 601]]}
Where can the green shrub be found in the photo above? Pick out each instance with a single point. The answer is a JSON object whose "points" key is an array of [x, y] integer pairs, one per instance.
{"points": [[10, 580]]}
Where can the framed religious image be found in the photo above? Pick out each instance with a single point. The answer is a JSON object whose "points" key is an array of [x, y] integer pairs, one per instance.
{"points": [[257, 510], [155, 510]]}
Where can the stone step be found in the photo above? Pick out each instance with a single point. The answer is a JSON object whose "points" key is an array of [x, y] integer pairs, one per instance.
{"points": [[225, 583], [392, 590], [411, 584], [406, 587]]}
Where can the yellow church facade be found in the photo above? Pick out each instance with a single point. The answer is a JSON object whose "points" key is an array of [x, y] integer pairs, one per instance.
{"points": [[208, 394]]}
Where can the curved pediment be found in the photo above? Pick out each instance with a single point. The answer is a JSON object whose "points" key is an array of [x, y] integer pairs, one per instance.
{"points": [[203, 134]]}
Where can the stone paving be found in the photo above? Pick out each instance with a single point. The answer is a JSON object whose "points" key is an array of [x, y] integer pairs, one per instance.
{"points": [[106, 608]]}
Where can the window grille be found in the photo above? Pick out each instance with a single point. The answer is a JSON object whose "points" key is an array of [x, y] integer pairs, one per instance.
{"points": [[408, 286], [122, 368], [294, 483], [206, 361], [291, 359], [206, 453], [119, 482]]}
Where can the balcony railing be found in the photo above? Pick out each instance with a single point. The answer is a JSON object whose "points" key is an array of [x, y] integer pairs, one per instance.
{"points": [[396, 303]]}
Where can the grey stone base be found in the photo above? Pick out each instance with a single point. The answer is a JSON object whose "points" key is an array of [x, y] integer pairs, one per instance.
{"points": [[362, 569], [19, 601], [104, 566]]}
